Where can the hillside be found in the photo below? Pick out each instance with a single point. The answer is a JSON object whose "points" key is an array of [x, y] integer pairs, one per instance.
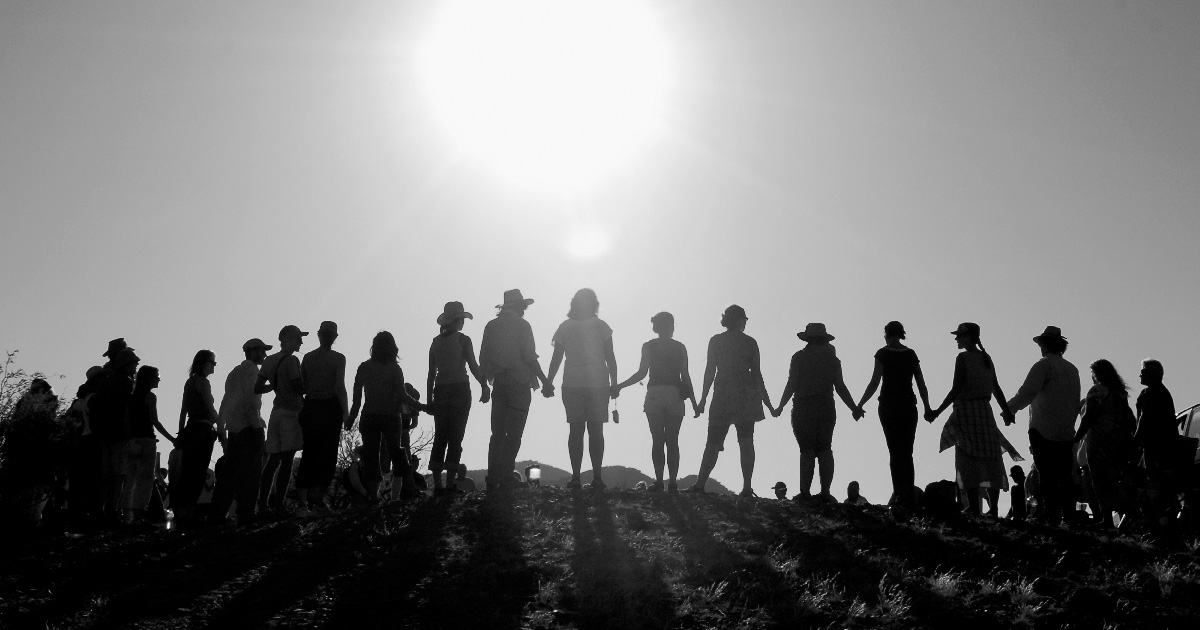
{"points": [[617, 477], [555, 559]]}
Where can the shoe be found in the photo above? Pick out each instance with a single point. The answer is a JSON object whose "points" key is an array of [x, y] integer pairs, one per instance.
{"points": [[657, 486], [673, 487], [599, 485], [696, 489], [827, 498], [803, 497], [574, 484], [747, 494]]}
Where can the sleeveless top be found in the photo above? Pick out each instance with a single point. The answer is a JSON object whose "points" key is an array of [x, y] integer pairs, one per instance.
{"points": [[666, 362], [978, 377], [448, 356], [196, 401], [897, 369]]}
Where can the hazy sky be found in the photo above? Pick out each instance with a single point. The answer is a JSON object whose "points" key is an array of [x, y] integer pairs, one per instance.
{"points": [[189, 176]]}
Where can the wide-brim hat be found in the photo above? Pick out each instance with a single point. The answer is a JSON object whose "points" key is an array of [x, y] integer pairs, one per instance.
{"points": [[453, 311], [513, 296], [115, 346], [969, 329], [815, 332], [1051, 332], [778, 485]]}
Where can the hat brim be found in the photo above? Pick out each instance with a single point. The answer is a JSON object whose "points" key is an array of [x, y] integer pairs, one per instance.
{"points": [[814, 337], [1041, 338], [526, 301], [444, 319]]}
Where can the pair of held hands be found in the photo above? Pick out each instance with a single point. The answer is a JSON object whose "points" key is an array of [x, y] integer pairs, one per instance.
{"points": [[1009, 417], [856, 412]]}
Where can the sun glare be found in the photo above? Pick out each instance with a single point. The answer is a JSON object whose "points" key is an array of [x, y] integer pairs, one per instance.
{"points": [[549, 93]]}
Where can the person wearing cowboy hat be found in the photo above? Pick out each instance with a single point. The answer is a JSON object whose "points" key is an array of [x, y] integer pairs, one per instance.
{"points": [[448, 393], [979, 446], [780, 489], [734, 367], [814, 375], [509, 362], [1051, 391]]}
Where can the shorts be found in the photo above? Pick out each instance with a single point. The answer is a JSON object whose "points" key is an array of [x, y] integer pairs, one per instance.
{"points": [[717, 433], [283, 431], [663, 400], [585, 404], [813, 420]]}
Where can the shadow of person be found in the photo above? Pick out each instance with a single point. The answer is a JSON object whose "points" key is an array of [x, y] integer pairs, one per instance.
{"points": [[612, 586]]}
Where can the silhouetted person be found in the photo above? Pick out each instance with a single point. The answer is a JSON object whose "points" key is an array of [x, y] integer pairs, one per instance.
{"points": [[196, 435], [448, 393], [414, 464], [324, 412], [896, 367], [1156, 423], [143, 445], [381, 378], [509, 361], [666, 361], [463, 482], [814, 375], [242, 432], [84, 453], [589, 381], [281, 374], [853, 497], [28, 452], [1052, 393], [1108, 425], [780, 489], [979, 446], [1018, 510], [110, 423], [734, 366]]}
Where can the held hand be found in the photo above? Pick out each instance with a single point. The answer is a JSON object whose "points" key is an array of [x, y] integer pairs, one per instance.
{"points": [[700, 407], [548, 391], [775, 412], [1008, 417], [614, 391], [857, 414], [930, 416], [695, 411], [486, 395]]}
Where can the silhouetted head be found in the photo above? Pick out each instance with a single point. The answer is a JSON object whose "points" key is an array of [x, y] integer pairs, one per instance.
{"points": [[967, 332], [1017, 473], [462, 471], [815, 333], [203, 364], [383, 347], [1103, 373], [513, 299], [327, 333], [852, 489], [40, 386], [124, 362], [780, 489], [291, 338], [584, 305], [453, 316], [734, 317], [256, 350], [1152, 372], [894, 329], [115, 346], [663, 323], [1051, 341], [147, 378]]}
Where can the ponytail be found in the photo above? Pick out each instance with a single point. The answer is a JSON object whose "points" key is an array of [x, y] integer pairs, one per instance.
{"points": [[987, 358]]}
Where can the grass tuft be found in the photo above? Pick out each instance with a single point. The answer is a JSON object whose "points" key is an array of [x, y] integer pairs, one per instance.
{"points": [[948, 584], [893, 603]]}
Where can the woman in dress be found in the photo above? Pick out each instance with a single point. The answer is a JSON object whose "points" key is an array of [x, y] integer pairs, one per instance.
{"points": [[383, 381], [666, 361], [589, 380], [971, 428], [448, 393], [196, 435], [734, 367], [1108, 425], [897, 366]]}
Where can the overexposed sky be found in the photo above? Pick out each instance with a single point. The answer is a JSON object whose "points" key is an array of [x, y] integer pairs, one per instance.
{"points": [[190, 176]]}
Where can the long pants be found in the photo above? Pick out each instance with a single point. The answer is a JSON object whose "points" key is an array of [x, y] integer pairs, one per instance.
{"points": [[1053, 459], [196, 445], [139, 473], [321, 423], [382, 431], [452, 409], [899, 421], [240, 475], [510, 410]]}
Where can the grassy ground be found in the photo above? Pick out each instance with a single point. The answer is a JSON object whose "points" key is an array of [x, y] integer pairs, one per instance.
{"points": [[553, 559]]}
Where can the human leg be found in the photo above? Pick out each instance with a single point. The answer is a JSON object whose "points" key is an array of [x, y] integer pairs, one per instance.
{"points": [[712, 448], [672, 439], [575, 447], [595, 430], [745, 437], [899, 424], [658, 444]]}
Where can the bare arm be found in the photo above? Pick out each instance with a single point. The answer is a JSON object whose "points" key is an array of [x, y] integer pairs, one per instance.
{"points": [[960, 381], [710, 374], [610, 357], [358, 390], [555, 361], [686, 377], [183, 410], [643, 370], [874, 384], [431, 379], [839, 386], [921, 389], [152, 403], [341, 389], [756, 374], [469, 355]]}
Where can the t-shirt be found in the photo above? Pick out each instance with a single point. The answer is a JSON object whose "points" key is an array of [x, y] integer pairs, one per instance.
{"points": [[897, 368], [814, 370], [448, 358], [507, 348], [320, 370], [666, 358], [280, 371], [583, 340], [383, 385]]}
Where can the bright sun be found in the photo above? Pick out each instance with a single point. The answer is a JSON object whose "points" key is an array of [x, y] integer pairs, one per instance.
{"points": [[549, 93]]}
